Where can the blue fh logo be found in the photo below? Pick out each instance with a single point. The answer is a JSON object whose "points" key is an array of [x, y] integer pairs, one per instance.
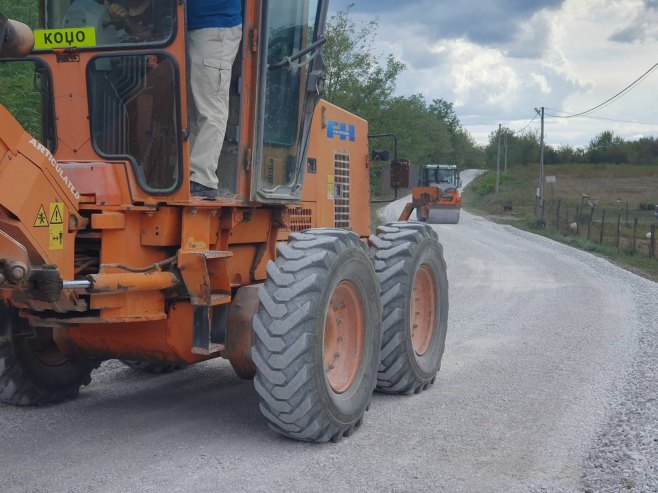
{"points": [[343, 130]]}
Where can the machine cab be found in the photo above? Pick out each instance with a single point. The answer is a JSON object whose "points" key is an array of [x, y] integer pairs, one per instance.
{"points": [[445, 176], [107, 82]]}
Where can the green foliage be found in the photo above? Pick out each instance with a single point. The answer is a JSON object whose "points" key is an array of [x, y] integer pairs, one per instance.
{"points": [[486, 184], [605, 148], [26, 11], [355, 78], [17, 89], [19, 94]]}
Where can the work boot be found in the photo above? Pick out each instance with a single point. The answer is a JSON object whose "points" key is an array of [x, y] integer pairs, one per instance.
{"points": [[199, 190]]}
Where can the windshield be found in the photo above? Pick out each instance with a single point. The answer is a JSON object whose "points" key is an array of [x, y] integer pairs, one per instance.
{"points": [[436, 176], [90, 23]]}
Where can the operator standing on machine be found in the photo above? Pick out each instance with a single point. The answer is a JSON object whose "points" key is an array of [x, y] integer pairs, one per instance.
{"points": [[214, 35]]}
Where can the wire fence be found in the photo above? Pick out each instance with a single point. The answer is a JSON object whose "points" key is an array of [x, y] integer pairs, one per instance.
{"points": [[629, 229]]}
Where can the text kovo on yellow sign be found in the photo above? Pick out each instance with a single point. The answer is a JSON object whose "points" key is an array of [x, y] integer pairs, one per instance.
{"points": [[79, 37]]}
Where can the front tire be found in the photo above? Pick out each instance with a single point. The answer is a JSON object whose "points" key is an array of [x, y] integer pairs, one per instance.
{"points": [[414, 290], [33, 371], [317, 336]]}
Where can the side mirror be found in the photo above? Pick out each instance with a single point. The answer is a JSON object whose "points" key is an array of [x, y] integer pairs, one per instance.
{"points": [[400, 173], [380, 155]]}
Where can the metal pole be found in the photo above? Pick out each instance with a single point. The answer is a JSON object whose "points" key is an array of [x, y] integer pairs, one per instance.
{"points": [[541, 160], [498, 161], [505, 152]]}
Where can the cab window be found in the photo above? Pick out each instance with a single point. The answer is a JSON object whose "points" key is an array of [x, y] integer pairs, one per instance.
{"points": [[112, 22], [134, 112], [26, 91]]}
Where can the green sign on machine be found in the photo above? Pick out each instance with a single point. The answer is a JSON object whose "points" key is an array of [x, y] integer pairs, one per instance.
{"points": [[79, 37]]}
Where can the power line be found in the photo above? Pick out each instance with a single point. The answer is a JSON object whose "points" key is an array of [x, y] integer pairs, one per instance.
{"points": [[613, 98], [514, 132], [607, 119]]}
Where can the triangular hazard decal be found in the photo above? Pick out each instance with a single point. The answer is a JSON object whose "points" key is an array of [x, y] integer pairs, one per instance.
{"points": [[41, 221]]}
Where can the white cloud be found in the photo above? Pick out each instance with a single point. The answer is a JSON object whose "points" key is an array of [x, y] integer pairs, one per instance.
{"points": [[567, 57]]}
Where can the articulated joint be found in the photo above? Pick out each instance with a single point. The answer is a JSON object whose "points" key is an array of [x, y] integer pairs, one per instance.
{"points": [[13, 273]]}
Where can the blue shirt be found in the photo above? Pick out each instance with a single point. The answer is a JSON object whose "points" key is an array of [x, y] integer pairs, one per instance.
{"points": [[213, 13]]}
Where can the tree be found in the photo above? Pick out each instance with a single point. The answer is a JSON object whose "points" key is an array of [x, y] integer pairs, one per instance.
{"points": [[607, 147], [355, 77]]}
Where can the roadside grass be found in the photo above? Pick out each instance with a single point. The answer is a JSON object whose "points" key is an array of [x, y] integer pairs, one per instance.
{"points": [[621, 190]]}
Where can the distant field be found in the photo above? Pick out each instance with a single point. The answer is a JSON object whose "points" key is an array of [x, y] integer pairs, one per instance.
{"points": [[625, 193]]}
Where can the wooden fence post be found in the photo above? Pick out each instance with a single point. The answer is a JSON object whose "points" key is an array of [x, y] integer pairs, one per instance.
{"points": [[557, 216], [589, 224], [634, 234], [602, 228], [618, 226], [652, 244], [577, 222], [567, 211]]}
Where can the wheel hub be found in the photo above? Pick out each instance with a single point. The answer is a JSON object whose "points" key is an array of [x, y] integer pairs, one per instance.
{"points": [[344, 331], [423, 310]]}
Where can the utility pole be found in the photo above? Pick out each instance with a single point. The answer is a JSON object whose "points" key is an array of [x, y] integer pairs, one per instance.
{"points": [[498, 161], [541, 160], [506, 152]]}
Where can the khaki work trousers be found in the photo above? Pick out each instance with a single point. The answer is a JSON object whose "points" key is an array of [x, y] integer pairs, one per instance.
{"points": [[211, 53]]}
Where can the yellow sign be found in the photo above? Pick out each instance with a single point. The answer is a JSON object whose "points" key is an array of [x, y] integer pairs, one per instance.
{"points": [[331, 189], [41, 221], [56, 228], [79, 37]]}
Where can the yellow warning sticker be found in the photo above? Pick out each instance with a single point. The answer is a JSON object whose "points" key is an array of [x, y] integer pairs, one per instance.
{"points": [[331, 189], [41, 221], [79, 37], [56, 228]]}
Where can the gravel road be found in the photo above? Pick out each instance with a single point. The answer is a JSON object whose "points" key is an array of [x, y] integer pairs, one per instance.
{"points": [[549, 383]]}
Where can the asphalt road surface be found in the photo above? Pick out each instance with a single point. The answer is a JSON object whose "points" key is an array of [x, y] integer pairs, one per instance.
{"points": [[548, 384]]}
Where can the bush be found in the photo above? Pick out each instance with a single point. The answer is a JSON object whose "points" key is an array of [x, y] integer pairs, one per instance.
{"points": [[486, 184]]}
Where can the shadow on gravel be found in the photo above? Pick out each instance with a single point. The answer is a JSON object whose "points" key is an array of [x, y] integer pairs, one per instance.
{"points": [[206, 401]]}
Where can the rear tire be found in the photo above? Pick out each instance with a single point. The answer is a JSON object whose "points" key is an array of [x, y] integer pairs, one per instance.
{"points": [[152, 366], [414, 290], [317, 336], [33, 371]]}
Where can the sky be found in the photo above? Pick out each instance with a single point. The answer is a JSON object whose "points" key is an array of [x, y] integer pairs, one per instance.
{"points": [[497, 60]]}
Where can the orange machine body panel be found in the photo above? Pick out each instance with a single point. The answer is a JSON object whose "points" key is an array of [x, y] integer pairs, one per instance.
{"points": [[337, 180], [163, 267]]}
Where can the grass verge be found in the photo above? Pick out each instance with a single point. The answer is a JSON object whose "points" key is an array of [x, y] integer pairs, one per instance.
{"points": [[619, 190]]}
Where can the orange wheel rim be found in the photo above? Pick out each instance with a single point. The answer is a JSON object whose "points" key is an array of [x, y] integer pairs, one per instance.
{"points": [[344, 331], [423, 310]]}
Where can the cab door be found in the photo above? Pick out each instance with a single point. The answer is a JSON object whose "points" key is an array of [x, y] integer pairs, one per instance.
{"points": [[290, 84]]}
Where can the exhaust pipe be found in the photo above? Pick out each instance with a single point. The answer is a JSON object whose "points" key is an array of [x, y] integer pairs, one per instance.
{"points": [[16, 39]]}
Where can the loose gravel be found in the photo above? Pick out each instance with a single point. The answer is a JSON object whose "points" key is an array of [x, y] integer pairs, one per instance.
{"points": [[548, 384]]}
